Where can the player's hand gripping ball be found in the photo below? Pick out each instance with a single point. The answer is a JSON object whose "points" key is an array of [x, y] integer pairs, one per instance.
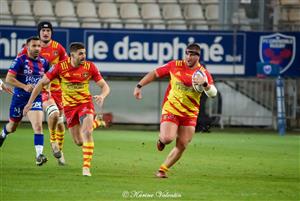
{"points": [[198, 74]]}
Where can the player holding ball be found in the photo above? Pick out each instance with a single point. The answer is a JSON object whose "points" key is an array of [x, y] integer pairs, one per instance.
{"points": [[180, 108]]}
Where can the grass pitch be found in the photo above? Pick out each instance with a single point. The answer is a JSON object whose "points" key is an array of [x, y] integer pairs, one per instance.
{"points": [[216, 166]]}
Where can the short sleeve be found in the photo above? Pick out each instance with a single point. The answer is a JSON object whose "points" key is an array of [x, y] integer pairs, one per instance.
{"points": [[15, 66], [62, 53], [164, 70], [96, 75]]}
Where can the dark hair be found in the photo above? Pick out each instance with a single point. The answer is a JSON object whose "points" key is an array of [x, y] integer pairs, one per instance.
{"points": [[193, 47], [44, 24], [76, 46], [32, 38]]}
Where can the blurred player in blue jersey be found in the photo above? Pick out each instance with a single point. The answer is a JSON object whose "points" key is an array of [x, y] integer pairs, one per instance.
{"points": [[25, 71]]}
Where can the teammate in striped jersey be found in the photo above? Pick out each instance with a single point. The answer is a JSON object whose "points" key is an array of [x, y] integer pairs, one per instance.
{"points": [[181, 103], [25, 71], [74, 75]]}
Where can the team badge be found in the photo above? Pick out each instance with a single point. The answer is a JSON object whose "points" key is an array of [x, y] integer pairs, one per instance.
{"points": [[278, 49], [55, 53], [85, 74]]}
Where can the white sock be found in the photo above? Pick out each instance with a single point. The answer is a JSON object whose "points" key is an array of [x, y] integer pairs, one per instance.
{"points": [[39, 149], [3, 134]]}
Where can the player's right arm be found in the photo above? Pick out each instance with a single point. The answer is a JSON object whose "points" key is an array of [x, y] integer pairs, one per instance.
{"points": [[149, 77], [12, 74]]}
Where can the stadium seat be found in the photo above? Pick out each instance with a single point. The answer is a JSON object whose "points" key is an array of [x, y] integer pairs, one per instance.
{"points": [[212, 12], [167, 1], [125, 1], [294, 15], [129, 12], [5, 17], [210, 1], [108, 13], [66, 13], [43, 8], [194, 15], [172, 13], [145, 1], [21, 9], [103, 1], [152, 17], [289, 2], [150, 11], [193, 12], [87, 14], [188, 1], [4, 8]]}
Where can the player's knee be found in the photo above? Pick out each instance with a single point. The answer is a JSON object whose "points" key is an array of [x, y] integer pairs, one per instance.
{"points": [[52, 112], [37, 127], [166, 139], [11, 127], [182, 144]]}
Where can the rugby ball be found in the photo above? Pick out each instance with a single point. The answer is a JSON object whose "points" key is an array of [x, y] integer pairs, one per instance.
{"points": [[198, 87]]}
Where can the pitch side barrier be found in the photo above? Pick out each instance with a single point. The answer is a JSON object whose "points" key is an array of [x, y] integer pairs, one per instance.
{"points": [[134, 52]]}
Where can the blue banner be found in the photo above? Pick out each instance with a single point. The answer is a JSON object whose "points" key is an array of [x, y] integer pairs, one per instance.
{"points": [[140, 51]]}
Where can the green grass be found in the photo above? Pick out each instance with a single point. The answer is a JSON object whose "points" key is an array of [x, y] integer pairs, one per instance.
{"points": [[216, 166]]}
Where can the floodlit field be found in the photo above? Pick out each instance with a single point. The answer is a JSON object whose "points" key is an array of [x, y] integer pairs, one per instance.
{"points": [[216, 166]]}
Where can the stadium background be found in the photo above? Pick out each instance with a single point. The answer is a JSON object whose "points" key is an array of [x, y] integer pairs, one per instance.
{"points": [[119, 33]]}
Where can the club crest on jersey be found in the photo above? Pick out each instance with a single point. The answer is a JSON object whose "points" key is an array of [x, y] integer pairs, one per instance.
{"points": [[85, 74], [278, 49], [55, 53]]}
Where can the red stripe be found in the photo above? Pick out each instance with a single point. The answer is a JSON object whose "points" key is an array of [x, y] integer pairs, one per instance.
{"points": [[197, 105], [87, 159], [182, 113], [85, 165], [88, 147], [88, 153], [187, 108]]}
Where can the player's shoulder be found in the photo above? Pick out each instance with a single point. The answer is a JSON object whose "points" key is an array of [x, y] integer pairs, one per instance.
{"points": [[21, 58], [56, 45], [88, 65], [202, 67], [178, 63], [64, 64]]}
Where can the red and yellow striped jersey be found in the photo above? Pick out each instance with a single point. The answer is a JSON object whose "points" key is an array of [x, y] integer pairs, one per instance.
{"points": [[180, 97], [54, 53], [74, 81]]}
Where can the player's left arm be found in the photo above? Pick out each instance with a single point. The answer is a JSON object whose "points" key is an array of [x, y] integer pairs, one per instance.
{"points": [[105, 90], [101, 83], [209, 86]]}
